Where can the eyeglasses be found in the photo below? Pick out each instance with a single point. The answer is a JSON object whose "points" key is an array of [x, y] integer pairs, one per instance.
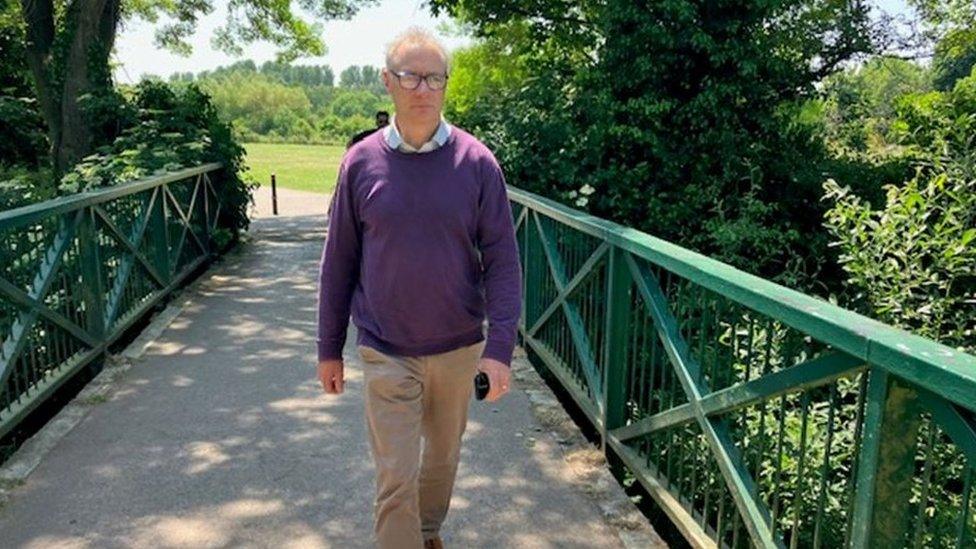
{"points": [[411, 81]]}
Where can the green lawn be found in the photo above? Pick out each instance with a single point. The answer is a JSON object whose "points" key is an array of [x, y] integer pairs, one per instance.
{"points": [[301, 167]]}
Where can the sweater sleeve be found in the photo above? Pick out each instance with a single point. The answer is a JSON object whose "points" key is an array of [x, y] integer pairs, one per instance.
{"points": [[338, 269], [502, 271]]}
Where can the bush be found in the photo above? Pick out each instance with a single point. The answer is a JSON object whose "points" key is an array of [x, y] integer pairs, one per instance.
{"points": [[22, 137], [913, 262], [929, 124], [25, 184], [174, 129]]}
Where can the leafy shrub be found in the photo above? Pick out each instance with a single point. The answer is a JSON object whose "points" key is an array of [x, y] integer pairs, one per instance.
{"points": [[913, 261], [174, 129], [22, 137], [21, 185]]}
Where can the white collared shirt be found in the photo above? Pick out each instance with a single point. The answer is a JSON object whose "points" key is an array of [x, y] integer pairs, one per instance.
{"points": [[395, 141]]}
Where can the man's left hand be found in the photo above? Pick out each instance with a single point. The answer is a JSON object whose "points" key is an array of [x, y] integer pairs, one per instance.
{"points": [[499, 376]]}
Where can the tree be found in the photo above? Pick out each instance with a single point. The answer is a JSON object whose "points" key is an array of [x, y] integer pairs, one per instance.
{"points": [[950, 29], [350, 77], [860, 105], [22, 139], [259, 103], [954, 57], [371, 80], [363, 78], [307, 75], [677, 117], [69, 43], [348, 103]]}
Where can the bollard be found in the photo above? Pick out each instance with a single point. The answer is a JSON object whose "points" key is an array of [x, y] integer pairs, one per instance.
{"points": [[274, 195]]}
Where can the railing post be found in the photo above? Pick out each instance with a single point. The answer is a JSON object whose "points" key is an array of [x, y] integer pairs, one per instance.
{"points": [[205, 212], [615, 343], [886, 463], [533, 262], [160, 235], [91, 275], [523, 237]]}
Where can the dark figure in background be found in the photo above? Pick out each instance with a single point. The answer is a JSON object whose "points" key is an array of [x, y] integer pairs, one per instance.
{"points": [[382, 120]]}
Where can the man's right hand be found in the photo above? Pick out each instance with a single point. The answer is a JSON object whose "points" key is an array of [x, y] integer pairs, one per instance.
{"points": [[330, 374]]}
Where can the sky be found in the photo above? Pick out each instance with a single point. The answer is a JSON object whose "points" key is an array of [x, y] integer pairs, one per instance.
{"points": [[359, 41]]}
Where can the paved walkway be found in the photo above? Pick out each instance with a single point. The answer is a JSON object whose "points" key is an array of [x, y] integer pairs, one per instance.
{"points": [[220, 435]]}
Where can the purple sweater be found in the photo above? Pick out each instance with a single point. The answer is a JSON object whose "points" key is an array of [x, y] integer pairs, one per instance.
{"points": [[420, 247]]}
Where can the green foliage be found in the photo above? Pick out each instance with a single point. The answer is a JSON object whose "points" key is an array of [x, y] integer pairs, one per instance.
{"points": [[290, 104], [362, 78], [481, 72], [678, 114], [69, 46], [929, 124], [305, 75], [22, 137], [258, 104], [940, 15], [949, 26], [273, 21], [955, 57], [173, 129], [913, 262], [21, 185], [286, 73], [859, 107]]}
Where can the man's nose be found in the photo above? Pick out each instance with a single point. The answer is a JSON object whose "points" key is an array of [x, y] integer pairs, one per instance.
{"points": [[423, 87]]}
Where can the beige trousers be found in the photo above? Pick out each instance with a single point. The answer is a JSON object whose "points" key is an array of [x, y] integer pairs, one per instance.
{"points": [[408, 399]]}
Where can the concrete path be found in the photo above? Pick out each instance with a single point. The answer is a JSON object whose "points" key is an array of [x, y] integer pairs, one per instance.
{"points": [[220, 435]]}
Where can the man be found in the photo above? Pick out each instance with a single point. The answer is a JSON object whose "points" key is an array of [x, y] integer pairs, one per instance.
{"points": [[420, 247], [382, 120]]}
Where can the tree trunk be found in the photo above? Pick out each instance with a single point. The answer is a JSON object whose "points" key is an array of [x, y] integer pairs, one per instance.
{"points": [[60, 78]]}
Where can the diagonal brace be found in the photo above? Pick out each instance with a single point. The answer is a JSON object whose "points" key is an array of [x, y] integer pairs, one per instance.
{"points": [[580, 340], [811, 373], [754, 513]]}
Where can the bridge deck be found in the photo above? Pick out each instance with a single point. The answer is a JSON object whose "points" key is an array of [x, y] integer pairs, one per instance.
{"points": [[220, 435]]}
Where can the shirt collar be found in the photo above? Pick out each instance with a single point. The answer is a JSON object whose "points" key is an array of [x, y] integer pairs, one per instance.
{"points": [[396, 142]]}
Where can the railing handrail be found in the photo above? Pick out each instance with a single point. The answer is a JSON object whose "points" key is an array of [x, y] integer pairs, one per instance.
{"points": [[109, 267], [32, 212], [939, 368]]}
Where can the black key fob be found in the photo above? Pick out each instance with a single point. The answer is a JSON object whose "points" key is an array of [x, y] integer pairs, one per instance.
{"points": [[481, 385]]}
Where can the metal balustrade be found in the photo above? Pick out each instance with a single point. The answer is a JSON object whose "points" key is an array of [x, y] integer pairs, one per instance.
{"points": [[753, 414], [76, 272]]}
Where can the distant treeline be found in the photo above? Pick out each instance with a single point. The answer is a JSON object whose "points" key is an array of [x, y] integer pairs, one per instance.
{"points": [[287, 103]]}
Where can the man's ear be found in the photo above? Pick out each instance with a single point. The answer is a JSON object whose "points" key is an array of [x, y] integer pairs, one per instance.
{"points": [[385, 73]]}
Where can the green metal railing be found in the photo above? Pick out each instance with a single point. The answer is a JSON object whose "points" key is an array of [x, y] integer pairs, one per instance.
{"points": [[76, 272], [753, 414]]}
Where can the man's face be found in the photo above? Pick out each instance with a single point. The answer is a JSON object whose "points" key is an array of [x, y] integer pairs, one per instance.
{"points": [[421, 103], [382, 120]]}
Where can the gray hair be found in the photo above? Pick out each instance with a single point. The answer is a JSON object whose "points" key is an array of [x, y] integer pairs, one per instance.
{"points": [[416, 36]]}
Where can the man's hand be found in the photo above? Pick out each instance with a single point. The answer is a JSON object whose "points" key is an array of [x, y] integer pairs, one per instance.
{"points": [[330, 374], [498, 378]]}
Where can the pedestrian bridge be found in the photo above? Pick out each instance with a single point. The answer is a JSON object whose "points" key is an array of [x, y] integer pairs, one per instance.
{"points": [[747, 413]]}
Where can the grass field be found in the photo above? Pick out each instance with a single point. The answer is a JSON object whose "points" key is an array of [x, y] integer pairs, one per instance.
{"points": [[301, 167]]}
